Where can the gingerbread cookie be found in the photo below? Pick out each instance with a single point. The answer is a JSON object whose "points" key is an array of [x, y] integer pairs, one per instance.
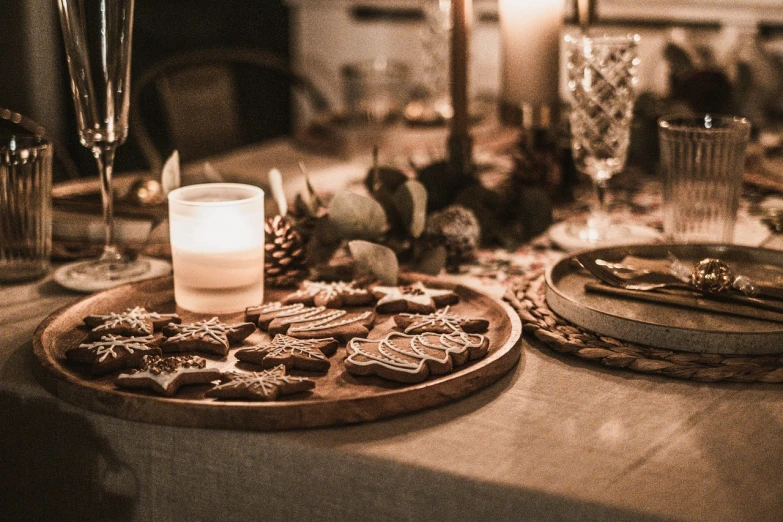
{"points": [[164, 375], [113, 352], [305, 322], [133, 322], [335, 294], [210, 336], [320, 322], [412, 358], [439, 321], [266, 385], [415, 298], [304, 354], [263, 314]]}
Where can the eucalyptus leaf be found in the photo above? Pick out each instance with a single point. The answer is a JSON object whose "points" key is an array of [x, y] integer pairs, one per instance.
{"points": [[432, 261], [410, 200], [356, 217], [377, 259]]}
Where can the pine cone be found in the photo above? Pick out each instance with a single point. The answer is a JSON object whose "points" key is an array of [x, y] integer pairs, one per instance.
{"points": [[284, 259], [457, 229]]}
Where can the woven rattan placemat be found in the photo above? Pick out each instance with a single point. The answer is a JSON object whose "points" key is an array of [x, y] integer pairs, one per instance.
{"points": [[526, 294]]}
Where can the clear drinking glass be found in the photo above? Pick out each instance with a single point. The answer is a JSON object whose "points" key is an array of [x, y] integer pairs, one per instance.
{"points": [[702, 161], [97, 36], [25, 208], [602, 81]]}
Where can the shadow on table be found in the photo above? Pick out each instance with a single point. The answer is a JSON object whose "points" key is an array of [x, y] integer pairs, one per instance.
{"points": [[55, 467]]}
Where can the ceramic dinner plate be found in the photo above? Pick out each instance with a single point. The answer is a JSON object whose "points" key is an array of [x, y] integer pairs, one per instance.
{"points": [[664, 325]]}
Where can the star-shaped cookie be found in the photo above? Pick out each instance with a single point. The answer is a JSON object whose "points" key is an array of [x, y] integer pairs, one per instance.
{"points": [[266, 385], [415, 298], [164, 375], [303, 354], [132, 322], [336, 294], [439, 321], [112, 352], [209, 336]]}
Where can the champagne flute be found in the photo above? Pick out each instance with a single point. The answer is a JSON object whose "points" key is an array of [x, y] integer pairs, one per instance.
{"points": [[602, 81], [97, 36]]}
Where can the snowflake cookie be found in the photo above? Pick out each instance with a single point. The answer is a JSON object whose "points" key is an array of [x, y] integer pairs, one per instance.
{"points": [[266, 385], [440, 321], [132, 322], [303, 354], [112, 352], [208, 336]]}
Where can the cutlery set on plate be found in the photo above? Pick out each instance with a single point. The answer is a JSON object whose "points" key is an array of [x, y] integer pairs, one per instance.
{"points": [[709, 281]]}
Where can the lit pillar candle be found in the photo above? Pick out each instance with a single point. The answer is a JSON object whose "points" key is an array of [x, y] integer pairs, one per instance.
{"points": [[530, 45], [217, 247]]}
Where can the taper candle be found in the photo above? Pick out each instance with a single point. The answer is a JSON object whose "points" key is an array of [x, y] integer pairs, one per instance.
{"points": [[530, 46]]}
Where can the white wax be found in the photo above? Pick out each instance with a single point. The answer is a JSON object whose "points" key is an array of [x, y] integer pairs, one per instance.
{"points": [[218, 283], [530, 50]]}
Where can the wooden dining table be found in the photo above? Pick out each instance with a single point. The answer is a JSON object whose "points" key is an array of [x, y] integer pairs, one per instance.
{"points": [[556, 438]]}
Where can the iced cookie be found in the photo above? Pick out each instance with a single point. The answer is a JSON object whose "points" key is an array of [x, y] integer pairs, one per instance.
{"points": [[440, 321], [303, 354], [412, 358], [210, 336], [113, 352], [415, 298], [336, 294], [164, 375], [266, 385], [263, 314], [319, 322], [307, 322], [132, 322]]}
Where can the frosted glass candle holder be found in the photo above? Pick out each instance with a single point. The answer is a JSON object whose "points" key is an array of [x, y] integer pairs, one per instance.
{"points": [[217, 247]]}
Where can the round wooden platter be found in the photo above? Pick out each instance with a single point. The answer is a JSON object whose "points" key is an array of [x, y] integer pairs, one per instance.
{"points": [[338, 397]]}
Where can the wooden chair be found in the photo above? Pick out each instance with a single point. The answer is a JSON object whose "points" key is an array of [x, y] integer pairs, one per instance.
{"points": [[195, 98]]}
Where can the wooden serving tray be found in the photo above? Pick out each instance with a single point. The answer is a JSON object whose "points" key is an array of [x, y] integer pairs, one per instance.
{"points": [[338, 398]]}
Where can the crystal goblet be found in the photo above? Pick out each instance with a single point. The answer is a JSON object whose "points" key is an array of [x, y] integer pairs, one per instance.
{"points": [[601, 80]]}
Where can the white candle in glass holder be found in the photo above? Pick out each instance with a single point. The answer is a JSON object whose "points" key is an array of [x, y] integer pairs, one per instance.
{"points": [[217, 246], [530, 53]]}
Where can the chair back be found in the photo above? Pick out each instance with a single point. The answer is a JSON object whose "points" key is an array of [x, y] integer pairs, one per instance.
{"points": [[194, 98]]}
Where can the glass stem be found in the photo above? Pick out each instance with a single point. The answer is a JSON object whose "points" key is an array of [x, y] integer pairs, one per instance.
{"points": [[104, 155], [598, 221]]}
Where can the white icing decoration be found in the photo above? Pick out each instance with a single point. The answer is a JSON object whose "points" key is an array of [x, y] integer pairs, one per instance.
{"points": [[265, 381], [108, 345], [435, 319], [448, 344], [211, 330], [136, 317], [273, 307], [329, 290], [284, 345], [331, 321]]}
